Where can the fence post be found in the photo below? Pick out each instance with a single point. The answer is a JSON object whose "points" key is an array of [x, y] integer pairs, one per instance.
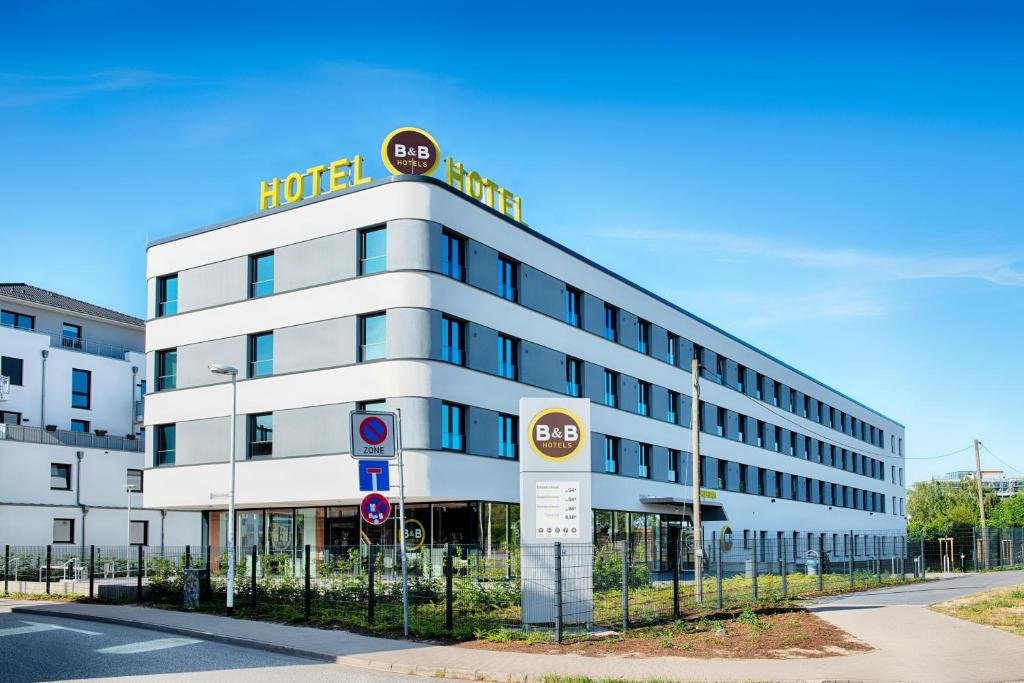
{"points": [[782, 564], [7, 568], [92, 568], [718, 572], [558, 592], [449, 593], [48, 548], [923, 563], [753, 573], [878, 560], [371, 585], [851, 551], [625, 583], [138, 578], [307, 582], [675, 579], [252, 578], [821, 562], [209, 576]]}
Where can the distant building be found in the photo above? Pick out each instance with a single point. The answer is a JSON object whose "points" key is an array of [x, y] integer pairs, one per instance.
{"points": [[71, 434], [997, 480]]}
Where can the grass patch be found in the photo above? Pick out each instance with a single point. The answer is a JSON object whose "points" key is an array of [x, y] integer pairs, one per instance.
{"points": [[1002, 609]]}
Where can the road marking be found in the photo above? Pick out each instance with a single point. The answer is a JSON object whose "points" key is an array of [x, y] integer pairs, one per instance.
{"points": [[148, 646], [39, 627]]}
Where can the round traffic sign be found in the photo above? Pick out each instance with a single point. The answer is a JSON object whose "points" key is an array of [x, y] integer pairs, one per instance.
{"points": [[375, 509], [373, 430]]}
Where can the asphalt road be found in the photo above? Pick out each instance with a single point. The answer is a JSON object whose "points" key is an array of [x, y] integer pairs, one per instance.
{"points": [[929, 592], [39, 648]]}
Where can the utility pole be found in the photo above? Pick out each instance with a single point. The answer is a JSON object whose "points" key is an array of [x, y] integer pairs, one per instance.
{"points": [[698, 536], [981, 505]]}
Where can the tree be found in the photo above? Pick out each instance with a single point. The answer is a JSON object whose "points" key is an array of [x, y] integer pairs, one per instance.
{"points": [[937, 509], [1008, 513]]}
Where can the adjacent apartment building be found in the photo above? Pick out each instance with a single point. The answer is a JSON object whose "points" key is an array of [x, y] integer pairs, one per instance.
{"points": [[407, 294], [71, 431]]}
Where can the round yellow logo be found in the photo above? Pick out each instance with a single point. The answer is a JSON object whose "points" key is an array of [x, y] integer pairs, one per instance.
{"points": [[415, 534], [556, 434], [410, 151]]}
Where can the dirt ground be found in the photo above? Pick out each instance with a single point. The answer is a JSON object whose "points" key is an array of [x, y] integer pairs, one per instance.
{"points": [[762, 634]]}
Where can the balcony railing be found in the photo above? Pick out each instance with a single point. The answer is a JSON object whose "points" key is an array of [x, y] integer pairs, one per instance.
{"points": [[64, 437], [88, 346]]}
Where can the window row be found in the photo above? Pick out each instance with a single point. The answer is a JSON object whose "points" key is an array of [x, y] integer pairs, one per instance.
{"points": [[70, 333], [64, 531], [60, 477]]}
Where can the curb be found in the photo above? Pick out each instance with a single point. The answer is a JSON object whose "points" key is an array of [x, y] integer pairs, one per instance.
{"points": [[346, 660]]}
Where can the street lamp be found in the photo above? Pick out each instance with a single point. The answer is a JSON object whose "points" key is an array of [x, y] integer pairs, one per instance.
{"points": [[218, 369]]}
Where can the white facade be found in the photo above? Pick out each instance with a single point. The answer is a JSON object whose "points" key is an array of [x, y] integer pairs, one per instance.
{"points": [[38, 414], [316, 313]]}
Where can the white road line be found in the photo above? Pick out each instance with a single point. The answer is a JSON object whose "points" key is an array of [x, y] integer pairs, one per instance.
{"points": [[148, 646], [39, 627]]}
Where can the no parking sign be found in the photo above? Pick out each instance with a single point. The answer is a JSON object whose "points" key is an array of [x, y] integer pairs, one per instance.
{"points": [[375, 509], [373, 434]]}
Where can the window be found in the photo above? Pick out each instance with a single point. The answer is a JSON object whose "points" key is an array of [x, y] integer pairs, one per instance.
{"points": [[508, 278], [80, 425], [741, 428], [643, 337], [508, 357], [453, 427], [720, 369], [673, 465], [9, 417], [261, 354], [611, 455], [379, 405], [18, 320], [14, 369], [791, 407], [611, 388], [672, 352], [778, 438], [373, 251], [60, 477], [138, 533], [453, 262], [372, 337], [775, 394], [741, 378], [167, 295], [644, 461], [759, 387], [572, 306], [452, 341], [71, 336], [166, 369], [806, 412], [744, 473], [64, 531], [573, 376], [508, 431], [611, 323], [164, 445], [261, 275], [761, 433], [673, 407], [133, 479], [720, 421], [643, 398], [81, 389], [261, 436]]}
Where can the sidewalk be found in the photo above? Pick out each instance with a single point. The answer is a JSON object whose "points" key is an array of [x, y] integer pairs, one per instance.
{"points": [[912, 643]]}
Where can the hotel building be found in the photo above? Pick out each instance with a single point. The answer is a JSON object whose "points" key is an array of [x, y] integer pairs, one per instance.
{"points": [[406, 294]]}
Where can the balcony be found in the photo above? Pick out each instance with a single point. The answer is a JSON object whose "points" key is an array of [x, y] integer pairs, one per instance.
{"points": [[63, 437], [59, 341]]}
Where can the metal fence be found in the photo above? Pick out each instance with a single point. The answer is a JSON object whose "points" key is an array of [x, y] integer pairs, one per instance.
{"points": [[973, 550], [65, 437], [460, 590]]}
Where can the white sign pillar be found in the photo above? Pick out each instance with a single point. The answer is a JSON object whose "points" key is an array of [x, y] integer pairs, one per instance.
{"points": [[555, 507]]}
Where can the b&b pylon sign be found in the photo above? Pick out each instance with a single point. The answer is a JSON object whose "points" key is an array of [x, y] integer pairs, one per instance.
{"points": [[555, 496]]}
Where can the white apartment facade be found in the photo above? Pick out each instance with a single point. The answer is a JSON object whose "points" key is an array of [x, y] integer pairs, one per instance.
{"points": [[407, 294], [71, 432]]}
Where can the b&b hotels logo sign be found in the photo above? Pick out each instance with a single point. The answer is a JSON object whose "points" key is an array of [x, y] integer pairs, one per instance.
{"points": [[405, 151], [556, 434]]}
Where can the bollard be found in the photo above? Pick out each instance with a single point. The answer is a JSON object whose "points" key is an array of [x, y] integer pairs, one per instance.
{"points": [[92, 568], [753, 574], [138, 578], [449, 593], [558, 592], [718, 573], [252, 578], [675, 579], [48, 556], [625, 583], [307, 606], [7, 568], [782, 565]]}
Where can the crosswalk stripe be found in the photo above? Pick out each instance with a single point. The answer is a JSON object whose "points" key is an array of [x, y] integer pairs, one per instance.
{"points": [[64, 628], [148, 646], [39, 627]]}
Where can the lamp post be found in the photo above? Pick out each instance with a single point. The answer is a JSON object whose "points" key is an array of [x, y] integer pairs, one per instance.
{"points": [[233, 372]]}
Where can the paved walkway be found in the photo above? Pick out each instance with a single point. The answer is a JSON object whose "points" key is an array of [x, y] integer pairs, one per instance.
{"points": [[912, 643]]}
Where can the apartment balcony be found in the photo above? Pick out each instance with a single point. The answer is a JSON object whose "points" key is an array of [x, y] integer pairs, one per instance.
{"points": [[59, 341], [63, 437]]}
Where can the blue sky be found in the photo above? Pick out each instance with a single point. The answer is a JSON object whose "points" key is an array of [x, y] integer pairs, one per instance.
{"points": [[839, 185]]}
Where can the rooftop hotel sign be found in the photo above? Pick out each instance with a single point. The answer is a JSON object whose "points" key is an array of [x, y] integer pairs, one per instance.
{"points": [[404, 151]]}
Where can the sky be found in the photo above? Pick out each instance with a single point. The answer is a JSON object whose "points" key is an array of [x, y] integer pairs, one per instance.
{"points": [[840, 184]]}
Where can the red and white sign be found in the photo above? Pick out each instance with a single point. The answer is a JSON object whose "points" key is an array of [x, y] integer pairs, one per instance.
{"points": [[375, 509]]}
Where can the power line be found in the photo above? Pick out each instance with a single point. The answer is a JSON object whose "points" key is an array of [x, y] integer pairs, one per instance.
{"points": [[1004, 463], [944, 455]]}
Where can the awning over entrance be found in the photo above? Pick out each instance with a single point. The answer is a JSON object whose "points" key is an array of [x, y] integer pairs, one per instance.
{"points": [[711, 510]]}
